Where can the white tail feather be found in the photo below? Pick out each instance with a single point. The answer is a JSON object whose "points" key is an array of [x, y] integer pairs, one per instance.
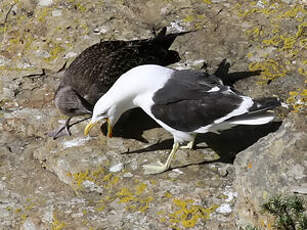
{"points": [[247, 119], [253, 119]]}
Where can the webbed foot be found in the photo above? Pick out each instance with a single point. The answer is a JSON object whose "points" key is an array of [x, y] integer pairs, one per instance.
{"points": [[155, 168], [190, 145]]}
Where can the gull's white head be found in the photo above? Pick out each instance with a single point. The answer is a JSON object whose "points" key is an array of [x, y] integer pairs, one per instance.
{"points": [[113, 104], [105, 110], [121, 96]]}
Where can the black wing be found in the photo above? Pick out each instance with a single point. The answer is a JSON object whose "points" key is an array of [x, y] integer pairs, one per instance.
{"points": [[185, 104]]}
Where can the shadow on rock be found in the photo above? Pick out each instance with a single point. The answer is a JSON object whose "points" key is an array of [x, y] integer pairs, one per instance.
{"points": [[132, 124], [232, 141], [226, 145]]}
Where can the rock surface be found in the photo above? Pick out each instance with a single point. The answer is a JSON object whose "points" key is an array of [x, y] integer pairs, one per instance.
{"points": [[94, 182], [276, 164]]}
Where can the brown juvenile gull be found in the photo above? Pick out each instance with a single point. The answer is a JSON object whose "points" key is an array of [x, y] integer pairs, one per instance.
{"points": [[95, 70], [184, 102]]}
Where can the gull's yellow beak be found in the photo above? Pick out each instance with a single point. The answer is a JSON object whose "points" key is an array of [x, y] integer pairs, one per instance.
{"points": [[109, 133], [88, 128], [91, 125]]}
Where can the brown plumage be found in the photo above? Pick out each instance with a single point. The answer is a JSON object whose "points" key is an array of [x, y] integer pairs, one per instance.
{"points": [[95, 70]]}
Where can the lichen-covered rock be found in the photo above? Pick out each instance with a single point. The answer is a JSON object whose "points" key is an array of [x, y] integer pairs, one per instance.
{"points": [[276, 164], [94, 183]]}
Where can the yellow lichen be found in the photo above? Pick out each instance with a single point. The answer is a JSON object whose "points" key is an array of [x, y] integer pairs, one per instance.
{"points": [[125, 195], [168, 195], [188, 18], [107, 177], [255, 31], [154, 182], [298, 99], [294, 13], [90, 175], [54, 53], [187, 214], [100, 208], [274, 41], [24, 217], [207, 1], [144, 203], [56, 224], [42, 14], [140, 188], [271, 69], [114, 180], [302, 72], [80, 177], [18, 210]]}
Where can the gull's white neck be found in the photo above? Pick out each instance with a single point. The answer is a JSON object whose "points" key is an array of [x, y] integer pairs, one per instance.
{"points": [[135, 88]]}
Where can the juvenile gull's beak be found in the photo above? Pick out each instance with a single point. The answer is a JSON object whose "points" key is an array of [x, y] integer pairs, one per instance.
{"points": [[89, 127]]}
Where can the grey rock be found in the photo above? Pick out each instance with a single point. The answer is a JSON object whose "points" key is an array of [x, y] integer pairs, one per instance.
{"points": [[302, 189], [272, 166]]}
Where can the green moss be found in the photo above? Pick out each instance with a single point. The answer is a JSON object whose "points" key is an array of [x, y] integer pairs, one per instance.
{"points": [[288, 211]]}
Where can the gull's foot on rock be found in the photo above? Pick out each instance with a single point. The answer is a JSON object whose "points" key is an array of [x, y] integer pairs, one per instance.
{"points": [[60, 132], [154, 168]]}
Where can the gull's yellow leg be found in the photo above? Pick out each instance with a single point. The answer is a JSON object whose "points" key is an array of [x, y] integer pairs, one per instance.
{"points": [[159, 167], [190, 145]]}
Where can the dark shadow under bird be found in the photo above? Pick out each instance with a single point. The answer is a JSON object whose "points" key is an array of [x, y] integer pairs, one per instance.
{"points": [[95, 70]]}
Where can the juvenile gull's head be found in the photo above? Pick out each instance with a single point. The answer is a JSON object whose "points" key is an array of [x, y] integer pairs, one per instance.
{"points": [[70, 103]]}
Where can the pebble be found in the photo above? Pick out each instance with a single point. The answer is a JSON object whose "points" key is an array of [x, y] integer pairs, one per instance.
{"points": [[128, 174], [91, 186], [57, 13], [116, 168], [224, 209], [29, 225], [45, 2], [75, 142], [70, 55]]}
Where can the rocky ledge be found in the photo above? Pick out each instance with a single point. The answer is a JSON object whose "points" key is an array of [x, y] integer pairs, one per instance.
{"points": [[94, 182]]}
